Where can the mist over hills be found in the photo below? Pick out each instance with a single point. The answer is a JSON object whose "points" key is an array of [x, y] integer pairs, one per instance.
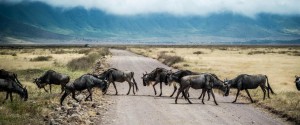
{"points": [[39, 20]]}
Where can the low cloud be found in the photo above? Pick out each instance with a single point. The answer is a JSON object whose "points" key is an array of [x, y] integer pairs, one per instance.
{"points": [[248, 8]]}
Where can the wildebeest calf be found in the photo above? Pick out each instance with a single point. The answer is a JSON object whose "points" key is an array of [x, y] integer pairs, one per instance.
{"points": [[245, 82], [84, 82]]}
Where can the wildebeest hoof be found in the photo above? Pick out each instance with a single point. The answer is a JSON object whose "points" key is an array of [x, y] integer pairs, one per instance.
{"points": [[233, 101], [160, 94]]}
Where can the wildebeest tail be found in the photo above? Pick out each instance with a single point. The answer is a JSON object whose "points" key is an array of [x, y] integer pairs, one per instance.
{"points": [[132, 75], [269, 87]]}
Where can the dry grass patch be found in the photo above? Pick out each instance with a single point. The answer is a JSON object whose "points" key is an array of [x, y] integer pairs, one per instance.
{"points": [[39, 102]]}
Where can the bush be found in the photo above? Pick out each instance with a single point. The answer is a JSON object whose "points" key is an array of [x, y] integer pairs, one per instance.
{"points": [[14, 54], [256, 52], [86, 62], [41, 58], [198, 52], [169, 60]]}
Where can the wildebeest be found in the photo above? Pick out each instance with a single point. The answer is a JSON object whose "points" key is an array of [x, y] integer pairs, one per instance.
{"points": [[176, 77], [245, 82], [297, 82], [158, 75], [113, 75], [52, 77], [9, 86], [86, 81], [9, 75], [203, 81]]}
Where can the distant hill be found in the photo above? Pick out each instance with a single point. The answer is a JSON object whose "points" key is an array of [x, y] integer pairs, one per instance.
{"points": [[39, 20]]}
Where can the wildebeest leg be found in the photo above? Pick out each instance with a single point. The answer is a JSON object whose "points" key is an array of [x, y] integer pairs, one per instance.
{"points": [[200, 95], [268, 91], [50, 87], [63, 97], [160, 88], [108, 84], [11, 97], [73, 96], [264, 91], [62, 89], [6, 97], [45, 89], [213, 95], [175, 88], [187, 92], [208, 96], [237, 94], [203, 93], [129, 83], [181, 88], [185, 96], [132, 84], [249, 95], [115, 88], [154, 87], [89, 96]]}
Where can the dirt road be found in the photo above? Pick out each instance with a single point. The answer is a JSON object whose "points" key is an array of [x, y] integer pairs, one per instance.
{"points": [[145, 108]]}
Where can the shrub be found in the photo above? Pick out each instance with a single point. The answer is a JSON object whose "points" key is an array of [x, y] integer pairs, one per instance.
{"points": [[14, 54], [198, 52], [86, 62], [256, 52], [60, 51], [41, 58], [169, 60]]}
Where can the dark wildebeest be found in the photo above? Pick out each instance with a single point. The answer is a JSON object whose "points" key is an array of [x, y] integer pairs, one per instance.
{"points": [[203, 81], [176, 77], [297, 82], [9, 75], [52, 77], [86, 81], [245, 82], [10, 86], [158, 75], [113, 75]]}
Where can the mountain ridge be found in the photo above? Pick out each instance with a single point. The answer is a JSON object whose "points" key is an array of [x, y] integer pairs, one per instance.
{"points": [[60, 23]]}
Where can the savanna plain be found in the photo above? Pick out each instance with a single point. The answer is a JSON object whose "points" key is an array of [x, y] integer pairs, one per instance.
{"points": [[279, 63]]}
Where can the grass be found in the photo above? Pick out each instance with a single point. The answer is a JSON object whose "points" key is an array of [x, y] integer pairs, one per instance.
{"points": [[280, 64], [39, 103]]}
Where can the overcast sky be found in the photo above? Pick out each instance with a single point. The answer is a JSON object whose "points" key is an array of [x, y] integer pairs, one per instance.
{"points": [[183, 7]]}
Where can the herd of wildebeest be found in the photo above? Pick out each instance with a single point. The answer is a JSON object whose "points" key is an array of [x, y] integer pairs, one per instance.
{"points": [[186, 79]]}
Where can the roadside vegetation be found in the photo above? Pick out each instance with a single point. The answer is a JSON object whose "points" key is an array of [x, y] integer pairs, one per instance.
{"points": [[280, 64], [30, 63]]}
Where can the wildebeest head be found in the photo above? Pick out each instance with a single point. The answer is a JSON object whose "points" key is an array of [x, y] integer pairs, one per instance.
{"points": [[226, 83], [38, 82], [297, 82], [24, 94], [104, 87], [170, 78], [145, 79]]}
